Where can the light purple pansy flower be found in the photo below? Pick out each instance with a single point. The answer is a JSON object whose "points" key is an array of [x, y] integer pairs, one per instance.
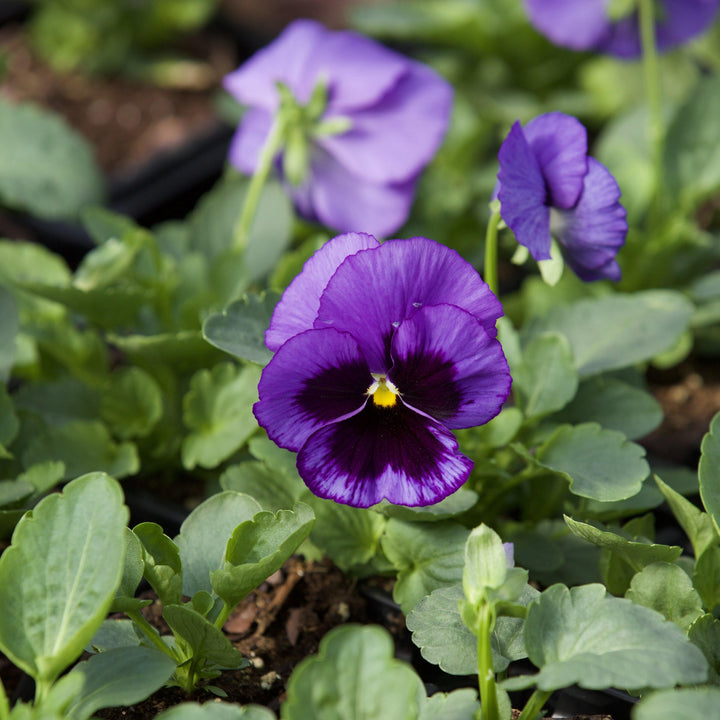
{"points": [[586, 24], [390, 115], [547, 185], [382, 350]]}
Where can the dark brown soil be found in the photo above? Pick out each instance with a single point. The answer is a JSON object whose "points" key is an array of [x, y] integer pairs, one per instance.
{"points": [[127, 122], [690, 398]]}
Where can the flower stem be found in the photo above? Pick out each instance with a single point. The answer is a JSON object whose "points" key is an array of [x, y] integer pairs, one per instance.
{"points": [[534, 704], [137, 617], [270, 149], [653, 91], [491, 252], [486, 674]]}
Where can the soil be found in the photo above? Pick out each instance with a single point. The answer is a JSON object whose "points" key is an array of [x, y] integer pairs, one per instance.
{"points": [[127, 122]]}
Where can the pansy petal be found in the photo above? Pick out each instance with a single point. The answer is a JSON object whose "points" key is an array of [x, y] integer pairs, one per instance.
{"points": [[312, 380], [344, 201], [383, 453], [298, 306], [559, 143], [359, 70], [593, 232], [446, 365], [373, 291], [575, 24], [678, 22], [523, 194], [249, 139], [395, 138], [284, 60]]}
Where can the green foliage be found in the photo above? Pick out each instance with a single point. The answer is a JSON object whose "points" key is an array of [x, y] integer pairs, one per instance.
{"points": [[42, 632], [709, 471], [216, 711], [583, 636], [46, 168], [679, 704]]}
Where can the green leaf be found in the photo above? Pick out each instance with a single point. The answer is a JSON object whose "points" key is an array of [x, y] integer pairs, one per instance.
{"points": [[637, 554], [444, 639], [103, 224], [272, 489], [133, 567], [13, 491], [9, 327], [698, 526], [9, 423], [240, 328], [614, 404], [162, 567], [206, 642], [425, 556], [114, 634], [83, 446], [47, 168], [546, 379], [706, 577], [258, 548], [218, 411], [350, 536], [705, 633], [691, 145], [71, 543], [459, 502], [334, 683], [132, 403], [668, 590], [205, 533], [60, 401], [123, 676], [460, 704], [584, 636], [599, 464], [679, 704], [709, 471], [216, 711], [22, 261], [110, 262], [607, 333]]}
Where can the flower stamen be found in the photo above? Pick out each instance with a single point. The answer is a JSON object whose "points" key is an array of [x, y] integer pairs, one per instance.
{"points": [[383, 391]]}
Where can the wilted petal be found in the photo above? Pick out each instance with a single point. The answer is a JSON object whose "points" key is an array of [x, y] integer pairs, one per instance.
{"points": [[284, 60], [373, 291], [383, 453], [344, 201], [298, 306], [249, 139], [593, 232], [576, 24], [395, 138], [446, 365], [559, 143], [523, 194], [315, 378]]}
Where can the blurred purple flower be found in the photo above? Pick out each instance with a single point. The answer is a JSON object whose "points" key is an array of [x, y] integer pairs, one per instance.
{"points": [[547, 185], [587, 25], [382, 349], [370, 120]]}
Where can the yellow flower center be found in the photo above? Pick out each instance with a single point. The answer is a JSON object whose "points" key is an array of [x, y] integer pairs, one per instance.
{"points": [[383, 391]]}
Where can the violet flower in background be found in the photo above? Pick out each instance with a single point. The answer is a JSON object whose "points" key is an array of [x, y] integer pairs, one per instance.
{"points": [[382, 349], [547, 185], [587, 24], [366, 122]]}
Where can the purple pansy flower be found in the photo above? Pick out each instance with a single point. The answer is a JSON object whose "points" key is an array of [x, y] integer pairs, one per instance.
{"points": [[382, 349], [547, 185], [370, 120], [587, 25]]}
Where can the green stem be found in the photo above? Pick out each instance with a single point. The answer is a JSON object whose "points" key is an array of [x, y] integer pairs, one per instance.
{"points": [[221, 619], [535, 704], [651, 69], [272, 146], [491, 252], [137, 617], [486, 674]]}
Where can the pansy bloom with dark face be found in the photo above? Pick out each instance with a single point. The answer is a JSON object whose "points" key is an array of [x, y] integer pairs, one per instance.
{"points": [[547, 185], [365, 122], [382, 349], [588, 24]]}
